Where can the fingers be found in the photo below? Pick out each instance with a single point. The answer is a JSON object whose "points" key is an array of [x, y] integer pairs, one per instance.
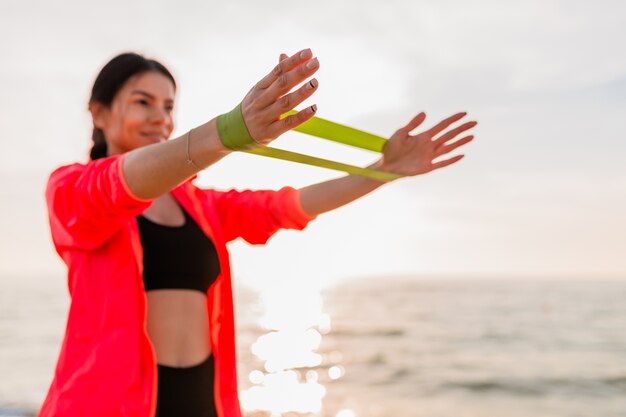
{"points": [[285, 82], [414, 123], [264, 104], [291, 100], [283, 67], [290, 122], [439, 127], [453, 133], [452, 146], [446, 162]]}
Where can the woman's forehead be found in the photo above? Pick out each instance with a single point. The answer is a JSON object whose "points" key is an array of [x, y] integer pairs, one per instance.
{"points": [[152, 83]]}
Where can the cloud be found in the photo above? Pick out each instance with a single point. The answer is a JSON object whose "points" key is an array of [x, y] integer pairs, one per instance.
{"points": [[544, 79]]}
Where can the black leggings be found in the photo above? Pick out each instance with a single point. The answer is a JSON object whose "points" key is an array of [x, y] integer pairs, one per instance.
{"points": [[187, 392]]}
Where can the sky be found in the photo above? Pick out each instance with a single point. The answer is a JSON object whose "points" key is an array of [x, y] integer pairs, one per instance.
{"points": [[540, 194]]}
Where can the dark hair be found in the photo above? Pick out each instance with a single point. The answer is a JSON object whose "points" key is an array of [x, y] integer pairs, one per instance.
{"points": [[110, 80]]}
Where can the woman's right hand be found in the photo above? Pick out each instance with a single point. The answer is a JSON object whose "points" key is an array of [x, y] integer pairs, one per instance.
{"points": [[271, 97]]}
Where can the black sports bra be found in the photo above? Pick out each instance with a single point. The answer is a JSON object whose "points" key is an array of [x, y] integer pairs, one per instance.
{"points": [[177, 256]]}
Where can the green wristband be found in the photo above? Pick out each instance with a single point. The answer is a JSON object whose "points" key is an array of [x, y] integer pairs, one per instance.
{"points": [[233, 130]]}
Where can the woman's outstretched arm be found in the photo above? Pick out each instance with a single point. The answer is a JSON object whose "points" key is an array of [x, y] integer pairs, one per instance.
{"points": [[154, 170], [404, 154]]}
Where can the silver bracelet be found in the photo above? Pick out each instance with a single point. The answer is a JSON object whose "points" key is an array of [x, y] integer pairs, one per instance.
{"points": [[189, 160]]}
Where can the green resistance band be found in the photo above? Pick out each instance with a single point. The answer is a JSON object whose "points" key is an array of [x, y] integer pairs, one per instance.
{"points": [[230, 126]]}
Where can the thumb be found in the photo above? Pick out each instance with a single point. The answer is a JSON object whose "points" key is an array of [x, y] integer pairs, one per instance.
{"points": [[282, 56]]}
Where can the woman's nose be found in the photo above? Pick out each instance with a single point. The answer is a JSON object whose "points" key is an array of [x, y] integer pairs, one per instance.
{"points": [[159, 115]]}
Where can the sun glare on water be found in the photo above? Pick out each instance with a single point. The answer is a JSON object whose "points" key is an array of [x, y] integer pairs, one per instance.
{"points": [[293, 371]]}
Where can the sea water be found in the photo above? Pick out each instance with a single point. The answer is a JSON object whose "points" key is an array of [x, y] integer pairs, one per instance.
{"points": [[441, 348], [380, 347]]}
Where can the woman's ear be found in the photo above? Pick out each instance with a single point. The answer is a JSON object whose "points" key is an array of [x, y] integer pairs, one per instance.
{"points": [[99, 114]]}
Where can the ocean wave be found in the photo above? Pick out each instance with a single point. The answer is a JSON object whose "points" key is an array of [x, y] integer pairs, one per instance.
{"points": [[396, 376], [540, 386], [378, 359], [617, 381], [368, 332], [512, 387]]}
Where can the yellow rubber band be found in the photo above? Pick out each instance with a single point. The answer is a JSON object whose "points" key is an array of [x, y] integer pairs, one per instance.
{"points": [[235, 135], [325, 129], [322, 163]]}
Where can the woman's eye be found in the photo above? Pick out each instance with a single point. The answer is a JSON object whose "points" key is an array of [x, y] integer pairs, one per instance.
{"points": [[143, 102]]}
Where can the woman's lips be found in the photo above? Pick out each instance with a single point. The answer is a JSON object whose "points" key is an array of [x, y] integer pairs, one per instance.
{"points": [[154, 138]]}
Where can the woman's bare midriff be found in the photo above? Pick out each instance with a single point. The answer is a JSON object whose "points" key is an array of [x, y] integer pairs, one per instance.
{"points": [[178, 326], [177, 318]]}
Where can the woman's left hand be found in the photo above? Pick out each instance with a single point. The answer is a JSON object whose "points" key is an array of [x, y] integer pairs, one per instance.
{"points": [[410, 155]]}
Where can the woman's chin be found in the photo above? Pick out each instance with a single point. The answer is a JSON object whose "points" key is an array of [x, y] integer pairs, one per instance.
{"points": [[150, 140]]}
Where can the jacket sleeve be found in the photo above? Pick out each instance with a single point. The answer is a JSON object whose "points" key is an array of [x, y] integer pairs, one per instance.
{"points": [[256, 215], [88, 204]]}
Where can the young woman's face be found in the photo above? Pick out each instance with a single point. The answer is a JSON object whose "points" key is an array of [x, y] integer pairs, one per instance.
{"points": [[140, 114]]}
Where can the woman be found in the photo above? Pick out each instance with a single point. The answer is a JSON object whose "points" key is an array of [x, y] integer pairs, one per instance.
{"points": [[150, 328]]}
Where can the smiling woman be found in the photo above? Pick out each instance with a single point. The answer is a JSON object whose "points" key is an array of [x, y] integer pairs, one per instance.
{"points": [[151, 329], [140, 115], [131, 101]]}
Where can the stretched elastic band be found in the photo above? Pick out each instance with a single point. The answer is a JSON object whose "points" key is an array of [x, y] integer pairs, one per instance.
{"points": [[233, 131], [325, 129], [322, 163], [235, 135]]}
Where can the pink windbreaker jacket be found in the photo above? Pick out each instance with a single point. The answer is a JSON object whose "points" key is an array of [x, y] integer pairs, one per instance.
{"points": [[107, 365]]}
